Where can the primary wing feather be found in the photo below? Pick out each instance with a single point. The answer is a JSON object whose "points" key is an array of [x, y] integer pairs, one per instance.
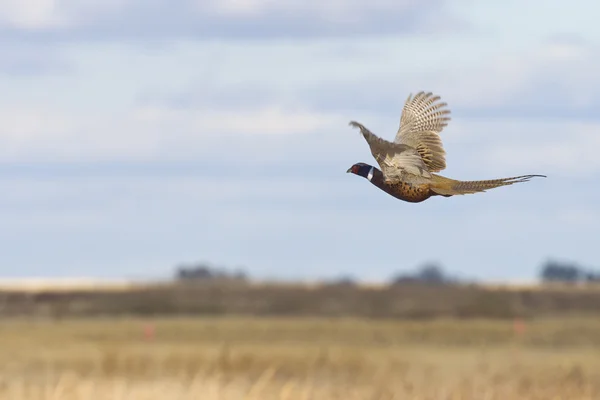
{"points": [[398, 162], [423, 118]]}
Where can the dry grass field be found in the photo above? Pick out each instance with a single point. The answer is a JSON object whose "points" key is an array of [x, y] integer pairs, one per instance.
{"points": [[298, 358]]}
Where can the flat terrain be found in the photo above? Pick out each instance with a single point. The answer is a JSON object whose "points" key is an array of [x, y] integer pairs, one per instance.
{"points": [[298, 358]]}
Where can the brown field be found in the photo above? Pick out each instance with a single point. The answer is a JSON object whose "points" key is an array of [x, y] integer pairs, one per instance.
{"points": [[221, 341], [298, 358]]}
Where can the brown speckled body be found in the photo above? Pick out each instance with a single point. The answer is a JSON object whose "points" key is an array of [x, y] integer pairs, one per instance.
{"points": [[408, 192], [411, 193]]}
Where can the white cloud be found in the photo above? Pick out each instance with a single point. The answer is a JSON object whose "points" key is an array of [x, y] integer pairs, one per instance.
{"points": [[160, 19], [331, 10], [552, 76], [559, 148], [476, 78], [31, 14], [141, 133], [515, 20], [510, 107], [270, 120]]}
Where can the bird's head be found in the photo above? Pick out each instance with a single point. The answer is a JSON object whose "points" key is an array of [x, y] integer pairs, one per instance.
{"points": [[362, 169]]}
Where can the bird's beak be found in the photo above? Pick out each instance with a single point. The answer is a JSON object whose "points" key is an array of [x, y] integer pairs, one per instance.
{"points": [[349, 170]]}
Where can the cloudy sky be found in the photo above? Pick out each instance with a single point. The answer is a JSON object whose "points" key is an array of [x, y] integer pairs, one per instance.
{"points": [[139, 134]]}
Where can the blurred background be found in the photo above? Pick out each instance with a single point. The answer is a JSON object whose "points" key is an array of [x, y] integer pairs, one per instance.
{"points": [[177, 220]]}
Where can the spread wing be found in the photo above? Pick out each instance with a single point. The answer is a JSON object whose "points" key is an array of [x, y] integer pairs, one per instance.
{"points": [[423, 118], [397, 161]]}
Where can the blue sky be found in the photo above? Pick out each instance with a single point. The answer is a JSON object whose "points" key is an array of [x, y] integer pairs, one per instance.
{"points": [[136, 135]]}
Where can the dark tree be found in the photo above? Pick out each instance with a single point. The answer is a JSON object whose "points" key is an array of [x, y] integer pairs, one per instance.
{"points": [[592, 276], [345, 281], [554, 271], [203, 272], [430, 273]]}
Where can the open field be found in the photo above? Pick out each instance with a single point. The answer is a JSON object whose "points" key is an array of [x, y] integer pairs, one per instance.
{"points": [[211, 340], [298, 358]]}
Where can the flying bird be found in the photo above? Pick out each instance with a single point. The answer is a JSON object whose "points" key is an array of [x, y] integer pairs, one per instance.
{"points": [[409, 162]]}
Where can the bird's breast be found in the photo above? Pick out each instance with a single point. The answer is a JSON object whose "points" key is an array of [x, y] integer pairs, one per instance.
{"points": [[408, 192]]}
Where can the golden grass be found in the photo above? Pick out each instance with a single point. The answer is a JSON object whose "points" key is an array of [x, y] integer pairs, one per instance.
{"points": [[246, 358]]}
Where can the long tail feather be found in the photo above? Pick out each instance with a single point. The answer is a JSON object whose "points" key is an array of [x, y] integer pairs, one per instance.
{"points": [[449, 187]]}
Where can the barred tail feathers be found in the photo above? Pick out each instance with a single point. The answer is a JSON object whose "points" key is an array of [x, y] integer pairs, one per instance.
{"points": [[449, 187]]}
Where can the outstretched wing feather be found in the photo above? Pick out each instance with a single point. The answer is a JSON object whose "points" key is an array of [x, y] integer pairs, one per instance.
{"points": [[398, 162], [423, 118]]}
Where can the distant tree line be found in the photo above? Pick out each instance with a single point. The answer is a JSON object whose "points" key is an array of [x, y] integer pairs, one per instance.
{"points": [[567, 272], [430, 274]]}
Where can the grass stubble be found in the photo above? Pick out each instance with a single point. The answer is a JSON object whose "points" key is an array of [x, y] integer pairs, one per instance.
{"points": [[262, 358]]}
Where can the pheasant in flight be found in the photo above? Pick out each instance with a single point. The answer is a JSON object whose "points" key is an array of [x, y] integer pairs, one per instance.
{"points": [[409, 162]]}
